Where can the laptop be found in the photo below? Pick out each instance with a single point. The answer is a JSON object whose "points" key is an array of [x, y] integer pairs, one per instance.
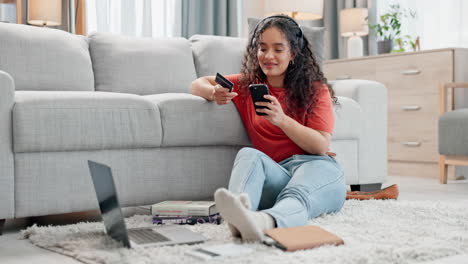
{"points": [[114, 221]]}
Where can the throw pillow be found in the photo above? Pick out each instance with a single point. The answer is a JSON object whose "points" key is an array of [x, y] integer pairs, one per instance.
{"points": [[212, 54], [143, 66]]}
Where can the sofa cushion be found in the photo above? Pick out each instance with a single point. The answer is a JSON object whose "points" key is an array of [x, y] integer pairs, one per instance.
{"points": [[348, 119], [189, 120], [315, 36], [213, 54], [141, 65], [45, 59], [66, 121], [453, 132]]}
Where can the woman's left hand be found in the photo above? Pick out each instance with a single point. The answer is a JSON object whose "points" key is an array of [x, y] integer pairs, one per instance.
{"points": [[275, 113]]}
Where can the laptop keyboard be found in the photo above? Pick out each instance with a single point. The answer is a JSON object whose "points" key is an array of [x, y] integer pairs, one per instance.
{"points": [[145, 236]]}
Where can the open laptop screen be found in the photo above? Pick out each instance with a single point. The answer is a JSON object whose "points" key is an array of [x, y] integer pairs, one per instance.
{"points": [[108, 202]]}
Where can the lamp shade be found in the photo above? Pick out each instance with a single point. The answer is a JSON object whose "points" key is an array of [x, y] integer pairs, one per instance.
{"points": [[299, 9], [45, 12], [353, 22]]}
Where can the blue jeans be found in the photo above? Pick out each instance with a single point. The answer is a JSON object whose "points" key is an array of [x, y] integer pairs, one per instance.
{"points": [[293, 191]]}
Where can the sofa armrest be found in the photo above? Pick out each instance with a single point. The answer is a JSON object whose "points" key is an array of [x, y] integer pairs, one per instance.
{"points": [[7, 94], [372, 146]]}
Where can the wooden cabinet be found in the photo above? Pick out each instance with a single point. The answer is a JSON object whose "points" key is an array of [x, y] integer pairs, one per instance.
{"points": [[412, 81]]}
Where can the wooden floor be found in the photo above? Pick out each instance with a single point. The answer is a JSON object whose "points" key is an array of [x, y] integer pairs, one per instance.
{"points": [[16, 251], [417, 188]]}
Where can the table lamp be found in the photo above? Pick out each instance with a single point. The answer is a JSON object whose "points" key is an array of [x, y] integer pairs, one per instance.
{"points": [[45, 12], [353, 25], [297, 9]]}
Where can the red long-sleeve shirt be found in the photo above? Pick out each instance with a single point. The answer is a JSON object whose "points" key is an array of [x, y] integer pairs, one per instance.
{"points": [[270, 139]]}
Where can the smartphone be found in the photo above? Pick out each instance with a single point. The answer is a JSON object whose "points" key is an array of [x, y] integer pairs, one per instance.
{"points": [[257, 91]]}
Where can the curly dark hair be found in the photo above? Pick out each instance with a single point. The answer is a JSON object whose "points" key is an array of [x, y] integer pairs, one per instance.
{"points": [[301, 93]]}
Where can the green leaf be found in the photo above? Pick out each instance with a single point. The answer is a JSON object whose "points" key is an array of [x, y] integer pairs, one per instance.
{"points": [[390, 23]]}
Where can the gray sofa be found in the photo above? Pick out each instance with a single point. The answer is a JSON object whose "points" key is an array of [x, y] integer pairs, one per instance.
{"points": [[125, 102]]}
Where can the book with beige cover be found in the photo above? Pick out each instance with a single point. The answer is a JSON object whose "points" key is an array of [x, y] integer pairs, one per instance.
{"points": [[302, 237], [184, 208]]}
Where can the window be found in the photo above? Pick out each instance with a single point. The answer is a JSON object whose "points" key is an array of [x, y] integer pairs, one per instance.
{"points": [[439, 24], [143, 18]]}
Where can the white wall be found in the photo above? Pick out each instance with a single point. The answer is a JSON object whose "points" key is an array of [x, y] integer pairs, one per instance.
{"points": [[255, 8], [439, 23], [250, 8]]}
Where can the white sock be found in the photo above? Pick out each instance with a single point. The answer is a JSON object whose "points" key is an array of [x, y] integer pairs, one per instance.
{"points": [[250, 224], [245, 201]]}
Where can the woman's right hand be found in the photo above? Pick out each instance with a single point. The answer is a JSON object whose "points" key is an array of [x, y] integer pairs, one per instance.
{"points": [[222, 95]]}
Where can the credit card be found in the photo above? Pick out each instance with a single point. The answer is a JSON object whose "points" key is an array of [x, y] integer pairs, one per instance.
{"points": [[221, 80]]}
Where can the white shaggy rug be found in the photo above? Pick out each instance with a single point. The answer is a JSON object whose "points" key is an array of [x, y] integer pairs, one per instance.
{"points": [[373, 231]]}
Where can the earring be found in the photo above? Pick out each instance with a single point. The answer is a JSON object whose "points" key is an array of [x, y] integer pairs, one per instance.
{"points": [[291, 62]]}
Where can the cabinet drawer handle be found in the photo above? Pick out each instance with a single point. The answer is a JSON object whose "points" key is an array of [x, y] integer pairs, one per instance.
{"points": [[410, 107], [411, 143], [411, 72], [343, 77]]}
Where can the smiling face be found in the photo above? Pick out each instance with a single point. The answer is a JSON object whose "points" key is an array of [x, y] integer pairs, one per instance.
{"points": [[274, 55]]}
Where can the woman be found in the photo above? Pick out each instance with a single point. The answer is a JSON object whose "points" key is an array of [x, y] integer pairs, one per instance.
{"points": [[287, 178]]}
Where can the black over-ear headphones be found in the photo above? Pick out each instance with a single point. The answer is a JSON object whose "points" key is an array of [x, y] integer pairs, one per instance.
{"points": [[263, 21]]}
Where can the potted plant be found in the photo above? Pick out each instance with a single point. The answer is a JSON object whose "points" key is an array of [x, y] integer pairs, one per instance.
{"points": [[388, 28]]}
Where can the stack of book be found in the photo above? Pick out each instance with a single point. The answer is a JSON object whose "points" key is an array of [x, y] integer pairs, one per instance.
{"points": [[185, 212]]}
